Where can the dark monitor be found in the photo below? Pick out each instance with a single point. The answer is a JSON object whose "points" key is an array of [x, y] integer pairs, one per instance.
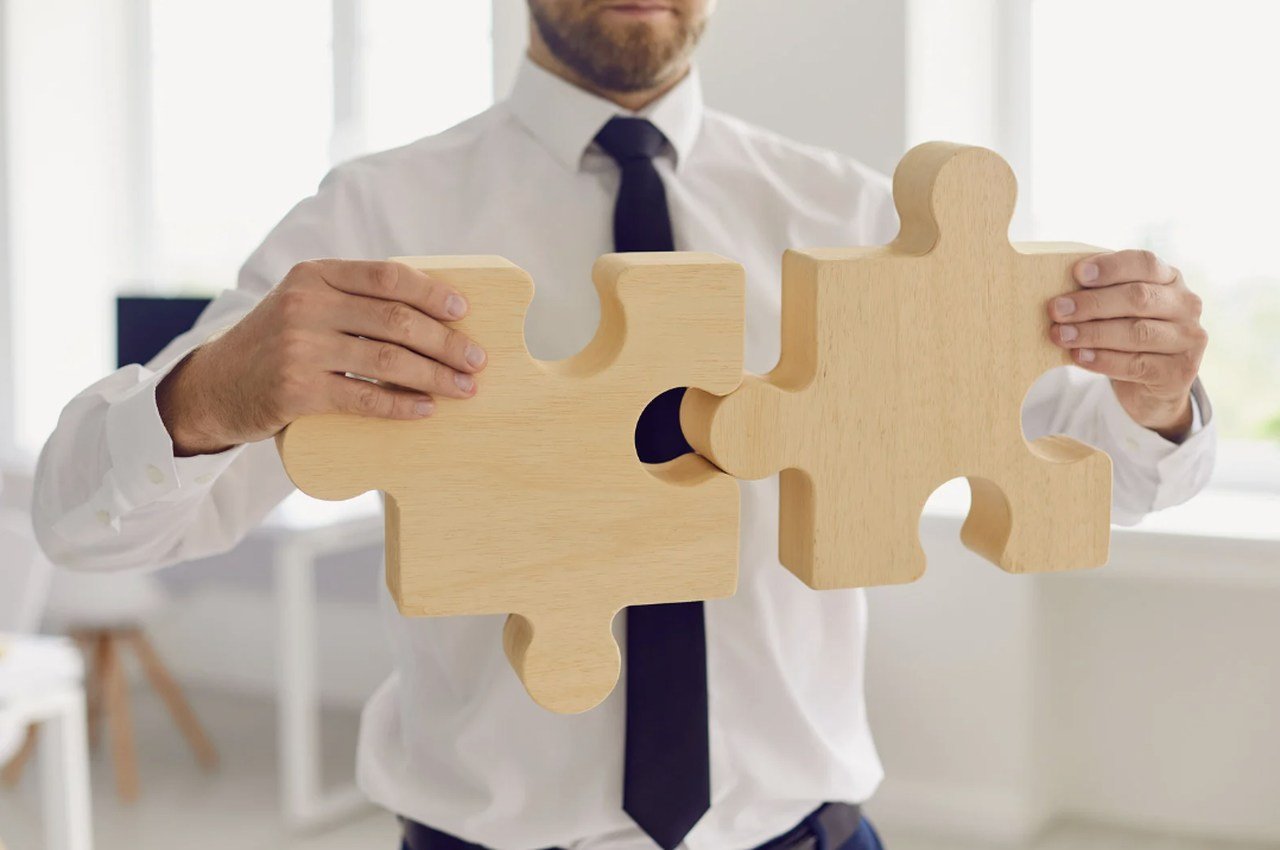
{"points": [[146, 324]]}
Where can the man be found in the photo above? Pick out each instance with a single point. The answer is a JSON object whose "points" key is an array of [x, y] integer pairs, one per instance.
{"points": [[742, 722]]}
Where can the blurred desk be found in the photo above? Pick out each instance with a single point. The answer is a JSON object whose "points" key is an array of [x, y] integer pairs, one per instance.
{"points": [[298, 532]]}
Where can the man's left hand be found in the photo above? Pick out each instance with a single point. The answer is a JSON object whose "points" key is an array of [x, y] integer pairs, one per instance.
{"points": [[1136, 322]]}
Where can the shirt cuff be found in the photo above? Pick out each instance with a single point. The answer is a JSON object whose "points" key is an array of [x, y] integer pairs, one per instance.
{"points": [[143, 465], [1174, 463]]}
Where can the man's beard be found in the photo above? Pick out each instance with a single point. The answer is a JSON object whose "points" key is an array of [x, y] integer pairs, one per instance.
{"points": [[619, 59]]}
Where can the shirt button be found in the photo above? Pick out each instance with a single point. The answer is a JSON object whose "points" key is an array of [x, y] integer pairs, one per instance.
{"points": [[103, 517], [1131, 443], [154, 473], [204, 478]]}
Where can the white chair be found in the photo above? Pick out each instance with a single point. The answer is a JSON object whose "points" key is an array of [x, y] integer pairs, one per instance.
{"points": [[104, 613], [24, 587], [41, 686]]}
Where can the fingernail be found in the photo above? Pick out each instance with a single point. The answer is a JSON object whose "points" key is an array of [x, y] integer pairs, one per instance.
{"points": [[423, 407], [1064, 306], [1067, 333], [455, 306], [1087, 273], [475, 355], [464, 382], [1086, 355]]}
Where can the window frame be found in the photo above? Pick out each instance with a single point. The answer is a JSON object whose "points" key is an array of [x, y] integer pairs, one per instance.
{"points": [[347, 133]]}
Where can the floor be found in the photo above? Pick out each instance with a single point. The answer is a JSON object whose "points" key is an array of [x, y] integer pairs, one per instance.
{"points": [[1087, 837], [182, 808]]}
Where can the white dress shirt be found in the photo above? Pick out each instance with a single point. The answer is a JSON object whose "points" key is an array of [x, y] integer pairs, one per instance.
{"points": [[452, 739]]}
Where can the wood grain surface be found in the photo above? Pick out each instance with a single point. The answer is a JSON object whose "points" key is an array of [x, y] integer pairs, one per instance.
{"points": [[904, 366], [528, 498]]}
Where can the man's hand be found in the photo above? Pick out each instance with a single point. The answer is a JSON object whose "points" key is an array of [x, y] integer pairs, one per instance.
{"points": [[288, 357], [1136, 322]]}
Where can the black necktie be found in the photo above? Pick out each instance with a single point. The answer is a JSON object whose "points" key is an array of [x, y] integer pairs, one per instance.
{"points": [[667, 779]]}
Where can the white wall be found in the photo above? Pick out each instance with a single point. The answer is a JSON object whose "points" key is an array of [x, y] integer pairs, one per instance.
{"points": [[954, 698], [1164, 701], [846, 57], [828, 73], [1142, 694]]}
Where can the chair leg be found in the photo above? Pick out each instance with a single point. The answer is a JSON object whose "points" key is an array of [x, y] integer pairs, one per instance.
{"points": [[172, 694], [12, 773], [116, 690], [97, 703], [93, 644]]}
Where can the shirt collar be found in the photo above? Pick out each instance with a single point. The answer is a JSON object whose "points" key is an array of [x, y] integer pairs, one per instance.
{"points": [[566, 118]]}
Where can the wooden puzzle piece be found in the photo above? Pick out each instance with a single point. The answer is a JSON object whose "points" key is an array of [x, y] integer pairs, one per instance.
{"points": [[528, 498], [904, 366]]}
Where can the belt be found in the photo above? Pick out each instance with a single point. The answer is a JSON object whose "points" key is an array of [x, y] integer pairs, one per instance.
{"points": [[827, 828]]}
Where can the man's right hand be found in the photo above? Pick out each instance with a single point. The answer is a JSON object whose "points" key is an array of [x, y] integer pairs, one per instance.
{"points": [[290, 355]]}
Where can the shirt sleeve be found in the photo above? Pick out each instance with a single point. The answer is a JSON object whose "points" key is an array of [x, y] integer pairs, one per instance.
{"points": [[1149, 472], [110, 492]]}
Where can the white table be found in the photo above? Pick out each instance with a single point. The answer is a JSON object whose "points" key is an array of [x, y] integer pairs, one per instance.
{"points": [[41, 682], [298, 532]]}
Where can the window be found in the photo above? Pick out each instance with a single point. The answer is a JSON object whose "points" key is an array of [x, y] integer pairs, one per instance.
{"points": [[422, 71], [1150, 128], [152, 145], [240, 114]]}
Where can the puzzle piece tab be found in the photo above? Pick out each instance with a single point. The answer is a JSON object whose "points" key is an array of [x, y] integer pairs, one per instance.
{"points": [[528, 498], [904, 366]]}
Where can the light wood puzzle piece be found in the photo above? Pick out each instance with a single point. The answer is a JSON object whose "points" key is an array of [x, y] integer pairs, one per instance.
{"points": [[528, 498], [904, 366]]}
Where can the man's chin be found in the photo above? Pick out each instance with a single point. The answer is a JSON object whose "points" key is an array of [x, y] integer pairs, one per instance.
{"points": [[651, 33], [622, 47]]}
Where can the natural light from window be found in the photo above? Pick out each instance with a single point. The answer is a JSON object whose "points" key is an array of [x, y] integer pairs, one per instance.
{"points": [[235, 107], [241, 118], [1151, 128]]}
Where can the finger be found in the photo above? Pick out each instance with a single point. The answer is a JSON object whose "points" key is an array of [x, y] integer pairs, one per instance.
{"points": [[1152, 370], [396, 364], [394, 282], [365, 398], [397, 322], [1124, 300], [1123, 335], [1124, 267]]}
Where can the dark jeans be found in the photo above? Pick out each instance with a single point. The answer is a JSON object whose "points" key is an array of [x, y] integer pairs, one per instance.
{"points": [[864, 839]]}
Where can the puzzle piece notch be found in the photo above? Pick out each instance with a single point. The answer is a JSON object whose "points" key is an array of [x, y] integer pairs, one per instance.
{"points": [[528, 499], [904, 366]]}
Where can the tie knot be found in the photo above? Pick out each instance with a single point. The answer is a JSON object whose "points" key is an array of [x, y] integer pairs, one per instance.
{"points": [[630, 139]]}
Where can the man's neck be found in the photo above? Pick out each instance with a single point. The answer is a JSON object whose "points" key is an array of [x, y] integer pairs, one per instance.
{"points": [[632, 101]]}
